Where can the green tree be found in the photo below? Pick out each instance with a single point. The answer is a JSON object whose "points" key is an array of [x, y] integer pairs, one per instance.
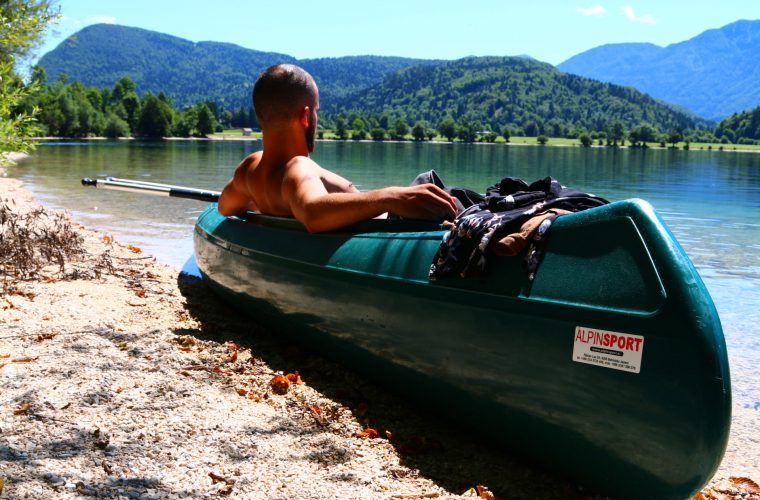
{"points": [[467, 130], [206, 120], [447, 127], [585, 140], [155, 119], [490, 136], [377, 134], [186, 123], [22, 23], [418, 131], [340, 128], [674, 137], [616, 133], [131, 105], [358, 125], [506, 133], [400, 129], [542, 139], [115, 127], [124, 86]]}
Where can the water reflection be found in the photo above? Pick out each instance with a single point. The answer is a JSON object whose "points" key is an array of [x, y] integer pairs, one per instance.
{"points": [[710, 200]]}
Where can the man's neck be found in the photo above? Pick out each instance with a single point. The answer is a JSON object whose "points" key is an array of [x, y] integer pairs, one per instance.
{"points": [[283, 144]]}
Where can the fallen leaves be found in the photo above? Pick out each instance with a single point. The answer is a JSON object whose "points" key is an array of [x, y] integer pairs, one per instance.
{"points": [[101, 439], [417, 496], [134, 249], [279, 384], [23, 409], [216, 478], [479, 491], [44, 336], [23, 360], [745, 488], [745, 483], [369, 432]]}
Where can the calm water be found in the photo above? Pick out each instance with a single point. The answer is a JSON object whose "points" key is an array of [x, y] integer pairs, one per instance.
{"points": [[711, 200]]}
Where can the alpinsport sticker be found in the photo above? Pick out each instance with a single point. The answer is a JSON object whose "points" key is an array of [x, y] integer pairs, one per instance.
{"points": [[619, 351]]}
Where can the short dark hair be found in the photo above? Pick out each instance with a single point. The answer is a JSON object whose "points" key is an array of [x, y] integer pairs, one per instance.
{"points": [[281, 91]]}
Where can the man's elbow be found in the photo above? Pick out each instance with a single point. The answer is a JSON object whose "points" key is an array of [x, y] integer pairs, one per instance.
{"points": [[228, 209], [315, 226], [314, 223]]}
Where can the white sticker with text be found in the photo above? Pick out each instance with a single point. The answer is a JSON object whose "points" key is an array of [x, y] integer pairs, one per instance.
{"points": [[620, 351]]}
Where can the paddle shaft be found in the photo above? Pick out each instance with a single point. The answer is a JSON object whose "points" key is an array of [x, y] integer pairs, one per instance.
{"points": [[152, 188]]}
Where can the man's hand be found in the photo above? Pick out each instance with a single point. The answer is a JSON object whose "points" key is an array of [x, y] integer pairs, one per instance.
{"points": [[424, 201]]}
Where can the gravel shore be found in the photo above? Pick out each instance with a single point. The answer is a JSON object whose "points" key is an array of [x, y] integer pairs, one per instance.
{"points": [[139, 383]]}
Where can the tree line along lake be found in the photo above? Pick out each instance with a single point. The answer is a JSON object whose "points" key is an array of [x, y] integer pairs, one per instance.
{"points": [[709, 199]]}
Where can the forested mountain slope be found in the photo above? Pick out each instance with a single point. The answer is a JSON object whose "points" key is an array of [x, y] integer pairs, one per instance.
{"points": [[714, 74], [511, 91], [189, 72]]}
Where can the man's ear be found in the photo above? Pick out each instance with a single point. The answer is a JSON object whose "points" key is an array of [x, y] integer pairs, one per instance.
{"points": [[303, 116]]}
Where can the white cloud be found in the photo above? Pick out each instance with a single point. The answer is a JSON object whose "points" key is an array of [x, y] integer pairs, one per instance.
{"points": [[102, 19], [594, 10], [631, 15]]}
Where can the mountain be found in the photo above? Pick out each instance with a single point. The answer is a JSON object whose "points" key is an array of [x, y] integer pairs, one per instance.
{"points": [[743, 128], [189, 72], [517, 91], [512, 91], [713, 74]]}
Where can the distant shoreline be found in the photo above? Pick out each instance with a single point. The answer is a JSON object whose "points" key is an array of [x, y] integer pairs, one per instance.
{"points": [[699, 147]]}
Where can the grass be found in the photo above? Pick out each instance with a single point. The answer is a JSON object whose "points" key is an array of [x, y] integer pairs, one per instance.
{"points": [[327, 134], [234, 133]]}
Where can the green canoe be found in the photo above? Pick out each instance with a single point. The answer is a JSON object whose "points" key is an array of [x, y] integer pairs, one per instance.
{"points": [[610, 367]]}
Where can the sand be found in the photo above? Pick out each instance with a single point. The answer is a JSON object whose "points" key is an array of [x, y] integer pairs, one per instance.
{"points": [[141, 384]]}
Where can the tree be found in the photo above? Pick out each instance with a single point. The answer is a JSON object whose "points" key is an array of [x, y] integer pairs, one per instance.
{"points": [[358, 125], [506, 133], [377, 134], [447, 127], [585, 140], [340, 128], [22, 23], [531, 129], [418, 131], [206, 120], [467, 130], [674, 137], [115, 127], [400, 129], [490, 136], [616, 134], [155, 118], [542, 139]]}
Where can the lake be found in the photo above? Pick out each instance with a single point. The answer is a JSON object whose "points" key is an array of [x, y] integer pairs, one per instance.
{"points": [[710, 200]]}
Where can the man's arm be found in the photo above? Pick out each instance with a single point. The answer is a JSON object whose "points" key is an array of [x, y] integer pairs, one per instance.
{"points": [[320, 210], [234, 199]]}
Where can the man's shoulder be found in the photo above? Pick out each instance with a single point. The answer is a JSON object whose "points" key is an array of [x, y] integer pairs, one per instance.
{"points": [[300, 165]]}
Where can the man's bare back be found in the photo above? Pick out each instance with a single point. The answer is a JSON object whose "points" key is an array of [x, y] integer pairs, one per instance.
{"points": [[260, 184], [282, 179]]}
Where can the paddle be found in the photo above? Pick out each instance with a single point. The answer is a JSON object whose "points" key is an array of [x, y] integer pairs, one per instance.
{"points": [[152, 188]]}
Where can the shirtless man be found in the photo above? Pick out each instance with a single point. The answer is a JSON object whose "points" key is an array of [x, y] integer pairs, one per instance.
{"points": [[282, 179]]}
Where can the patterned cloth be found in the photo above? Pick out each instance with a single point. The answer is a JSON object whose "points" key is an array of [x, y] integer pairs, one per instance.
{"points": [[506, 206]]}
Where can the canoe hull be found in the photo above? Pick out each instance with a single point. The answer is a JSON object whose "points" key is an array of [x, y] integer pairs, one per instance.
{"points": [[498, 353]]}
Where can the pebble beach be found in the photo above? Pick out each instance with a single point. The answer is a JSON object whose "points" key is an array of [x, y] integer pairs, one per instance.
{"points": [[125, 378]]}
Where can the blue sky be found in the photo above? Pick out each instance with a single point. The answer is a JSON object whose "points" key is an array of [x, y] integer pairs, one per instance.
{"points": [[549, 30]]}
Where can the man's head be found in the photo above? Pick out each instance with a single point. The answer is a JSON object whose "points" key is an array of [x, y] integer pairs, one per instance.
{"points": [[281, 94]]}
